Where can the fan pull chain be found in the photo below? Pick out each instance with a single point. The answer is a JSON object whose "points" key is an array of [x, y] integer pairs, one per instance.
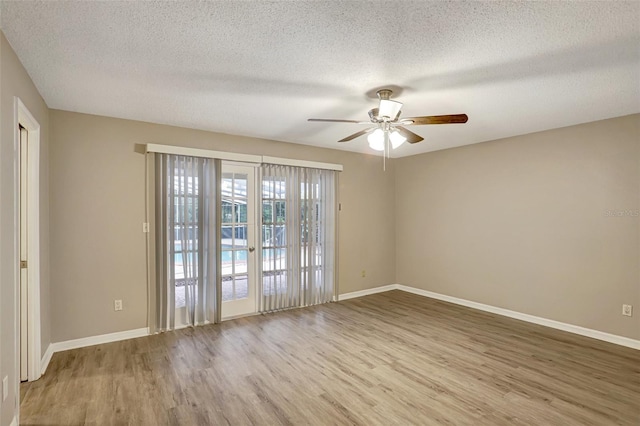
{"points": [[385, 154]]}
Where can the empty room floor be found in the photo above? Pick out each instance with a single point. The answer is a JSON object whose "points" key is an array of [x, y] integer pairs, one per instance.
{"points": [[389, 358]]}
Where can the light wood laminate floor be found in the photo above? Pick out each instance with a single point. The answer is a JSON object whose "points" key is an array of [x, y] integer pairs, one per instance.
{"points": [[390, 358]]}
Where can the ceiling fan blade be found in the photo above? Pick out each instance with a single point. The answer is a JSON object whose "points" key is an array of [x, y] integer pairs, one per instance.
{"points": [[331, 120], [356, 135], [409, 135], [435, 119]]}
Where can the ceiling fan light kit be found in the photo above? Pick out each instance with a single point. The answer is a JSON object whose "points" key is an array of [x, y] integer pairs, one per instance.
{"points": [[396, 139], [377, 139]]}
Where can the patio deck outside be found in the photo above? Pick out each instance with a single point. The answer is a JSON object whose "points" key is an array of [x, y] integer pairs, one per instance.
{"points": [[274, 275]]}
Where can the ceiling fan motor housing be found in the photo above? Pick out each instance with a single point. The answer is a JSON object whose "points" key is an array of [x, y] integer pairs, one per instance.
{"points": [[373, 115]]}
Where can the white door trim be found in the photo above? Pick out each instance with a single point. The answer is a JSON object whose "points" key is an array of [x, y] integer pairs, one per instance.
{"points": [[244, 307], [23, 117], [24, 247]]}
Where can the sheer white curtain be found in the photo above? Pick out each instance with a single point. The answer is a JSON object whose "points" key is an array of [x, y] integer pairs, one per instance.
{"points": [[187, 244], [297, 266]]}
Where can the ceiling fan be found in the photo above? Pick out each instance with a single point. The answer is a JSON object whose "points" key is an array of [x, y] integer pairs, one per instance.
{"points": [[389, 128]]}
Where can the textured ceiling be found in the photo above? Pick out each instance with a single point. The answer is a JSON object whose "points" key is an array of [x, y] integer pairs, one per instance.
{"points": [[262, 68]]}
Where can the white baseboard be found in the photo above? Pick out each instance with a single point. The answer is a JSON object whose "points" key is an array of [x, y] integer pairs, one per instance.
{"points": [[46, 358], [367, 292], [98, 340], [595, 334], [575, 329]]}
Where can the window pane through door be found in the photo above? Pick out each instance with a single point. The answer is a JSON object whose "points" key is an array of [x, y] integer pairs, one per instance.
{"points": [[235, 228]]}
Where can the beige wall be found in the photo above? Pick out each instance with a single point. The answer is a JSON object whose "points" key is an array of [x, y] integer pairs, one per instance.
{"points": [[14, 81], [98, 251], [517, 223], [521, 224]]}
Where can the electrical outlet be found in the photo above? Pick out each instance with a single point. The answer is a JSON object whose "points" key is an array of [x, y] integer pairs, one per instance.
{"points": [[627, 310], [145, 227], [117, 305], [5, 387], [364, 273]]}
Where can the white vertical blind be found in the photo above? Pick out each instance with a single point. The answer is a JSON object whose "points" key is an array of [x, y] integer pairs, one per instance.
{"points": [[187, 224], [298, 237]]}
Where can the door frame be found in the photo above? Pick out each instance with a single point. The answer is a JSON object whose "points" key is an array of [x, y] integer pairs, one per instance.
{"points": [[24, 118], [252, 267]]}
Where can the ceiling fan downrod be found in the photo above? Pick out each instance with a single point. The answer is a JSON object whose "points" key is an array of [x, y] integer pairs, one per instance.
{"points": [[384, 94]]}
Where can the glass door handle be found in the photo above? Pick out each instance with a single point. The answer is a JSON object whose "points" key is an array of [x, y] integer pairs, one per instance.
{"points": [[251, 249]]}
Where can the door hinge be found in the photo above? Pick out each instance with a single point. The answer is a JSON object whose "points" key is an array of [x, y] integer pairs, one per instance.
{"points": [[23, 264]]}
